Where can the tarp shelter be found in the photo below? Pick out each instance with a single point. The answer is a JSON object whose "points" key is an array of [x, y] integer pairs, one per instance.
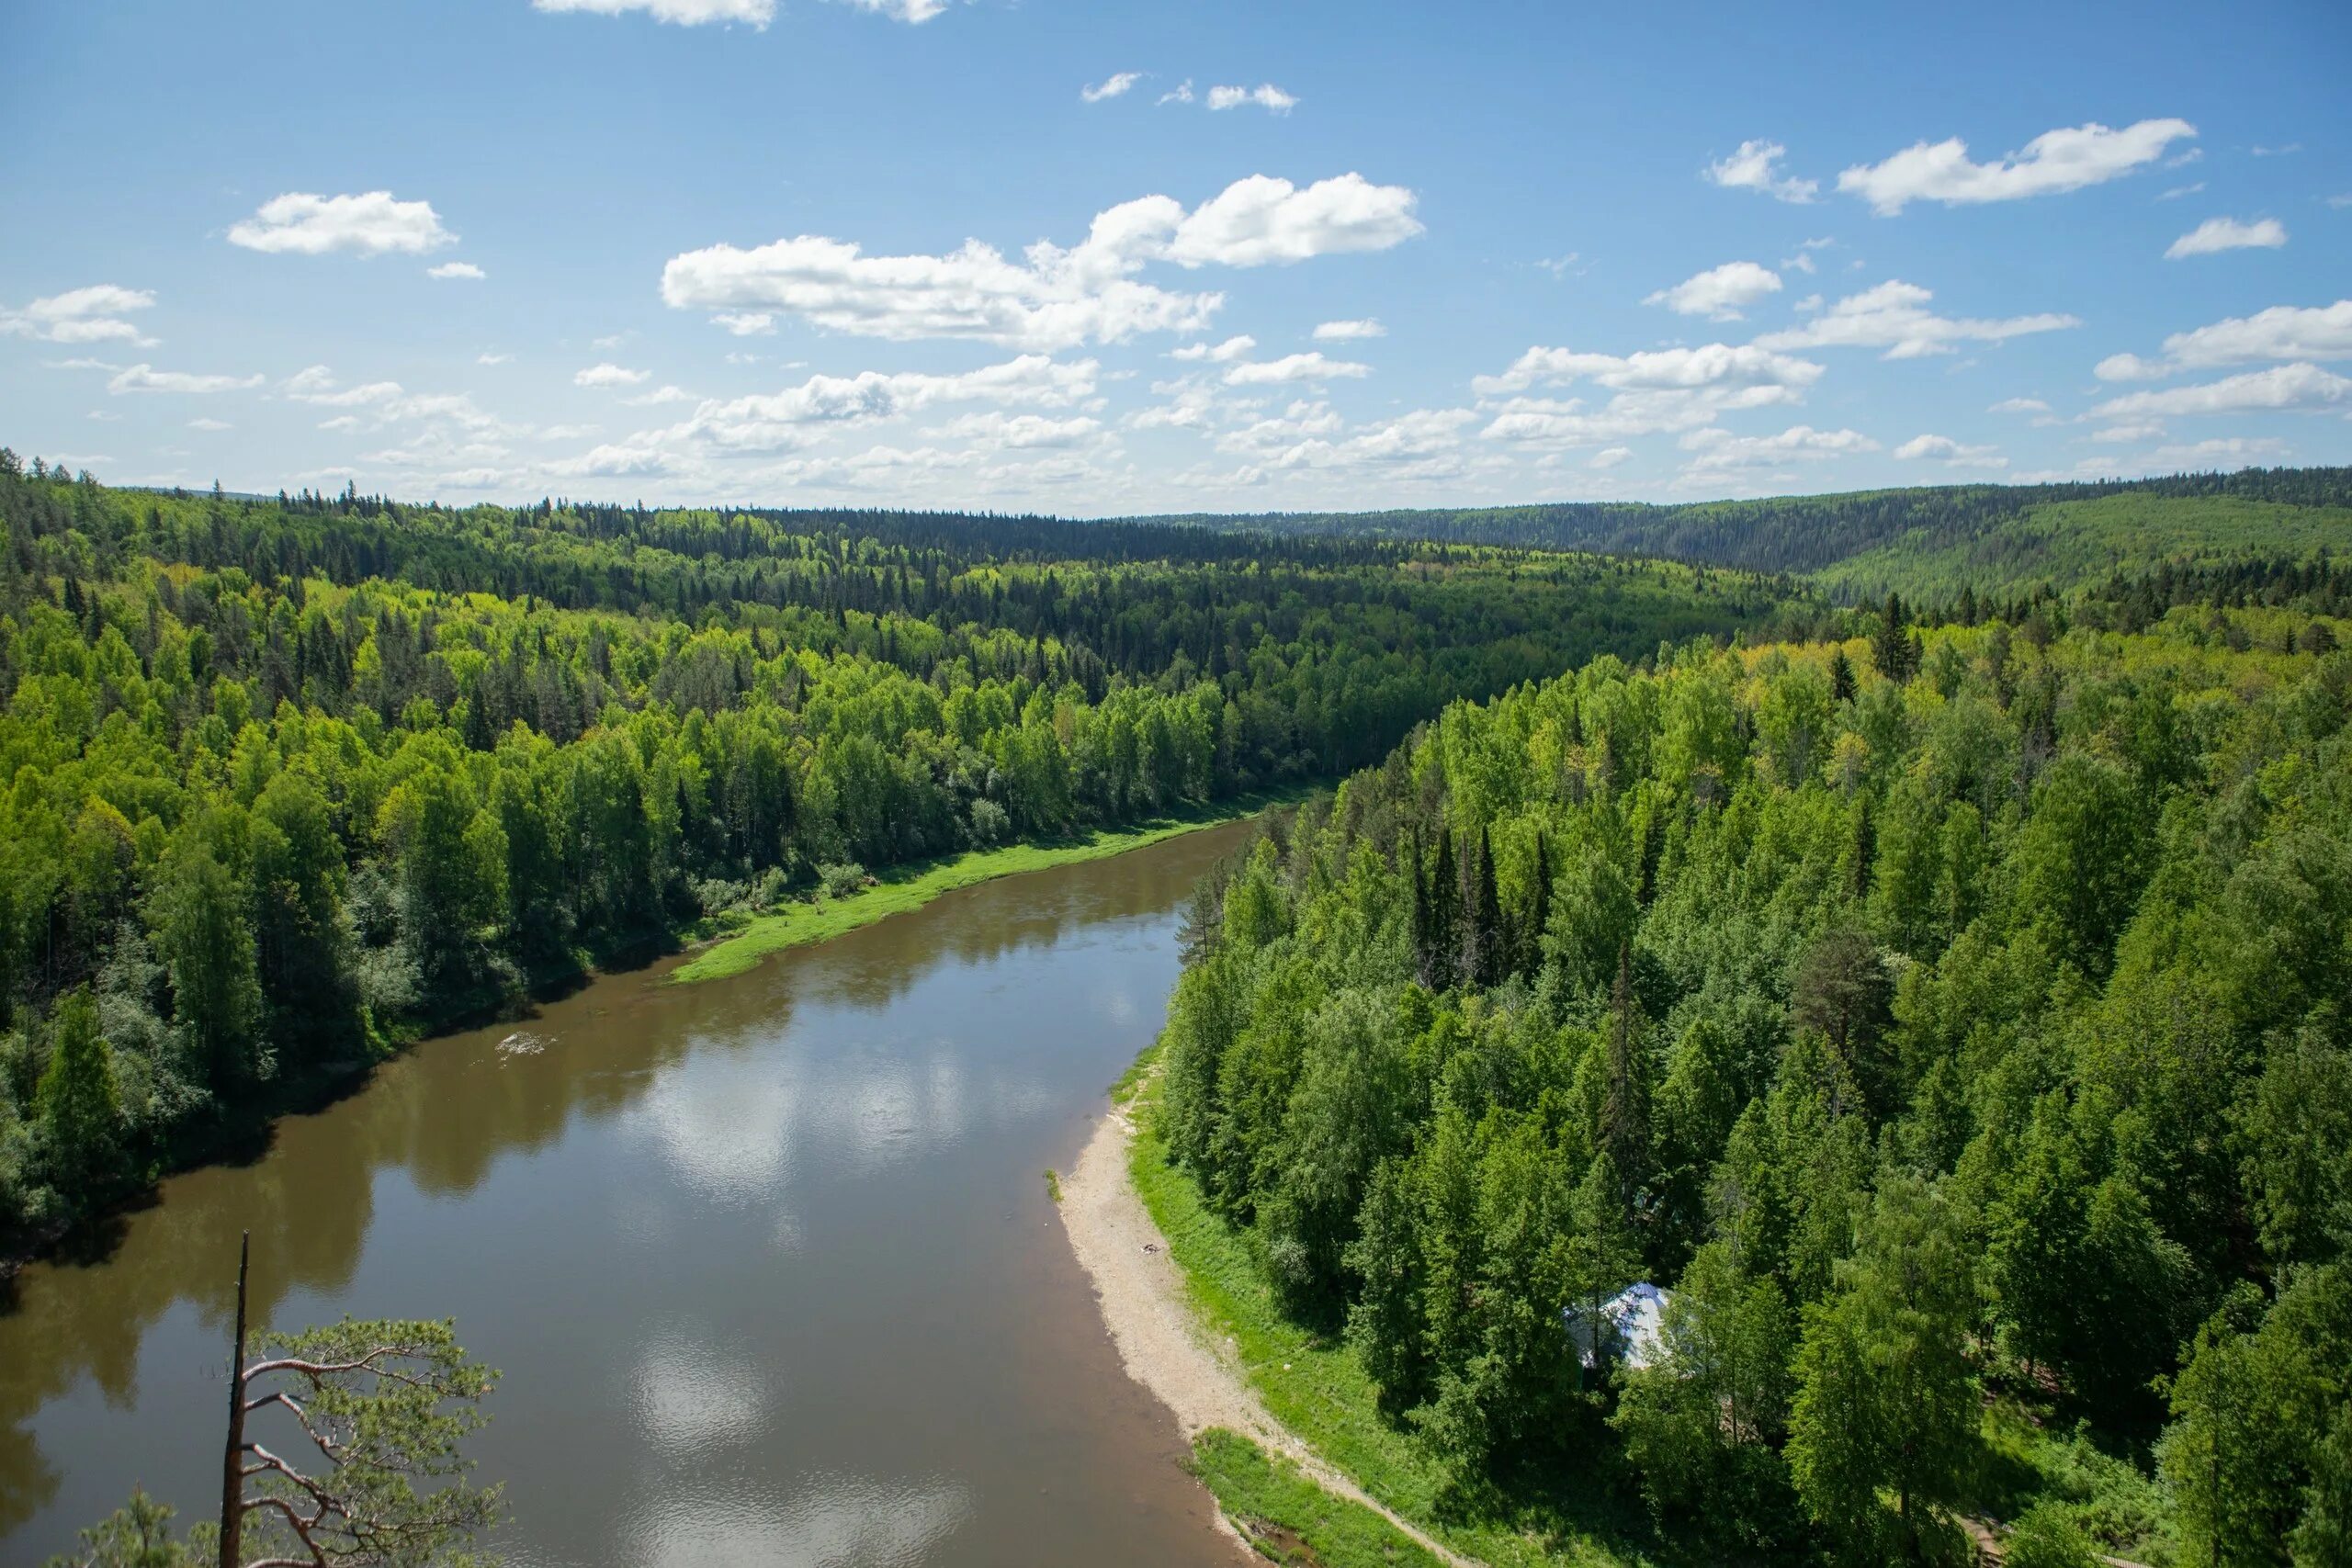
{"points": [[1628, 1326]]}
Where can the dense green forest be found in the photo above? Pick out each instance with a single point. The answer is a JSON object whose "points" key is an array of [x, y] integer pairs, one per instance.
{"points": [[2006, 539], [292, 779], [1954, 1023]]}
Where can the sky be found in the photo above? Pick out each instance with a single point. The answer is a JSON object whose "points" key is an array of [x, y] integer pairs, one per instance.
{"points": [[1118, 259]]}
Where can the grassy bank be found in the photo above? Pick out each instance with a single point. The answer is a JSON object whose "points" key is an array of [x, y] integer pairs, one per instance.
{"points": [[903, 887], [1287, 1517], [1317, 1388]]}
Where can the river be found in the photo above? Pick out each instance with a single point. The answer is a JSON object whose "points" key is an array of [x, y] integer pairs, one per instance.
{"points": [[768, 1263]]}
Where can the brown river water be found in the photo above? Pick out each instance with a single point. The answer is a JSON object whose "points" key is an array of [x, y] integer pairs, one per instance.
{"points": [[768, 1262]]}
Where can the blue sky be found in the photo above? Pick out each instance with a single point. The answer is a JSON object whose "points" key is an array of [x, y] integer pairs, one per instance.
{"points": [[914, 252]]}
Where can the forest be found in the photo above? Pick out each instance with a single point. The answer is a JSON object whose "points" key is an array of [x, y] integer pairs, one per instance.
{"points": [[2011, 539], [1950, 1020], [293, 780]]}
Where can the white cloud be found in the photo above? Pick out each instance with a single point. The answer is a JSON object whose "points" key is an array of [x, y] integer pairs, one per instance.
{"points": [[2128, 434], [1311, 367], [1609, 457], [93, 314], [2055, 162], [1666, 369], [2177, 192], [607, 374], [1265, 95], [371, 225], [486, 357], [2282, 332], [1020, 433], [453, 270], [1181, 93], [754, 14], [1953, 454], [1716, 450], [1348, 331], [1054, 297], [210, 424], [659, 397], [2278, 151], [1666, 390], [2241, 447], [746, 323], [1109, 86], [1719, 293], [2020, 405], [1894, 316], [2280, 388], [147, 379], [1232, 348], [1756, 167], [2227, 235], [796, 416]]}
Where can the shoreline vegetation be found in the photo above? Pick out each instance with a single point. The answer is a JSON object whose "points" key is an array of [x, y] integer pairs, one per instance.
{"points": [[900, 889], [1180, 1339]]}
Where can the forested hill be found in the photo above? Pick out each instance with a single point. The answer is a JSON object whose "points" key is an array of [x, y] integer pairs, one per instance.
{"points": [[287, 781], [1996, 538], [1955, 1026]]}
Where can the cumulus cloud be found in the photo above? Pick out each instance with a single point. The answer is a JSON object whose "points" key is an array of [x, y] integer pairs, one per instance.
{"points": [[1111, 87], [2282, 387], [1019, 432], [2020, 405], [386, 402], [2228, 234], [1715, 450], [2282, 332], [607, 374], [1348, 331], [1609, 457], [1667, 390], [2240, 449], [1666, 369], [147, 379], [1266, 96], [486, 357], [1894, 316], [454, 270], [754, 14], [1756, 166], [94, 314], [797, 416], [746, 323], [1953, 454], [300, 223], [1310, 367], [659, 397], [1232, 348], [1719, 293], [2055, 162], [1053, 297]]}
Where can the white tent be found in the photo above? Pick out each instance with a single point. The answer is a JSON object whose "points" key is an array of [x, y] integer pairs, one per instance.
{"points": [[1628, 1323]]}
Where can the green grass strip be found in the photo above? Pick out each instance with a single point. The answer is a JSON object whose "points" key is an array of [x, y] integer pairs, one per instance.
{"points": [[1289, 1519], [903, 887]]}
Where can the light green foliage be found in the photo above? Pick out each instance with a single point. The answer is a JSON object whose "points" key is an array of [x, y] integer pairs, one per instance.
{"points": [[138, 1535], [1886, 1400], [1287, 1517], [1991, 1056], [355, 1445]]}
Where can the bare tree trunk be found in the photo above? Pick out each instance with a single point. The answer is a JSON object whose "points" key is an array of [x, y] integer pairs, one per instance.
{"points": [[232, 1479]]}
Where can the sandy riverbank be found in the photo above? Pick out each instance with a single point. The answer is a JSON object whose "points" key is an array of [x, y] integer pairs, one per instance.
{"points": [[1161, 1341]]}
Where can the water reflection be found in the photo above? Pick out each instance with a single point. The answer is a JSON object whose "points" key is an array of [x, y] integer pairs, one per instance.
{"points": [[718, 1237]]}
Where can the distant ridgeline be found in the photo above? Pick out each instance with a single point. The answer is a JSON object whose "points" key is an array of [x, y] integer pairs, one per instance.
{"points": [[289, 779], [1928, 542]]}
